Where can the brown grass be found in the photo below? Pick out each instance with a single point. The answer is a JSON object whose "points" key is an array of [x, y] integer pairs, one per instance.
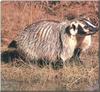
{"points": [[20, 76]]}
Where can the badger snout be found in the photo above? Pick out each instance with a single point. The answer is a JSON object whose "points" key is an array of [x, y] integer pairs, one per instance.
{"points": [[91, 27], [93, 30]]}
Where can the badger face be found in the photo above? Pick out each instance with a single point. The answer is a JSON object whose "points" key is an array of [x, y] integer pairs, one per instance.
{"points": [[81, 27]]}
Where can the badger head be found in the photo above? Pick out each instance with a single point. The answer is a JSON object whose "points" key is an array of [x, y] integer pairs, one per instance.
{"points": [[81, 26]]}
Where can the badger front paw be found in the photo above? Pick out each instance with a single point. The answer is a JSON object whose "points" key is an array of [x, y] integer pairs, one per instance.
{"points": [[75, 61], [57, 64]]}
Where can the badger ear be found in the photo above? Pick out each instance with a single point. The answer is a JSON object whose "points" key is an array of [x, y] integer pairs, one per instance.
{"points": [[81, 30], [67, 30]]}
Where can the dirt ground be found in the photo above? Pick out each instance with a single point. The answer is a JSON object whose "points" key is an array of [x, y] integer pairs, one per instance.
{"points": [[20, 76]]}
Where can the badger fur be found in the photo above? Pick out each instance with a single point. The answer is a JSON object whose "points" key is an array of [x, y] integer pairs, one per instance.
{"points": [[53, 40]]}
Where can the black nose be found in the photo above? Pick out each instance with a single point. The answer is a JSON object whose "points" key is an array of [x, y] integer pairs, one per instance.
{"points": [[93, 29]]}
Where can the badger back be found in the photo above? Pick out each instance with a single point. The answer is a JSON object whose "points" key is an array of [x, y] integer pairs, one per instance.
{"points": [[40, 40]]}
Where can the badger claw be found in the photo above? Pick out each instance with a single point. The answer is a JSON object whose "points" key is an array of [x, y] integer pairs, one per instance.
{"points": [[57, 64]]}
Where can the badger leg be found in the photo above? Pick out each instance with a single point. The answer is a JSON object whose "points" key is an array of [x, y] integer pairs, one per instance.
{"points": [[76, 57], [42, 62]]}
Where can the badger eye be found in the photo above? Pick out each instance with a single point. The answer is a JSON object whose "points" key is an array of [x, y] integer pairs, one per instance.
{"points": [[85, 27], [73, 26]]}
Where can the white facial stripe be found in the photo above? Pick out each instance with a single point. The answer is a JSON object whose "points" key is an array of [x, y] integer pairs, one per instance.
{"points": [[73, 32], [90, 24], [76, 24]]}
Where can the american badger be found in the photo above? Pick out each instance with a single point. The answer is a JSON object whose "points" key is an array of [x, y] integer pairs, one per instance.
{"points": [[53, 40]]}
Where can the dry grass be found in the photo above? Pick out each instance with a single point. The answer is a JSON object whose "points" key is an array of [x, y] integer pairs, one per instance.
{"points": [[20, 76], [31, 77]]}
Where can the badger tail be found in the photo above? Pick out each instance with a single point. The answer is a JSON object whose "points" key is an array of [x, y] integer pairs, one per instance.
{"points": [[10, 53]]}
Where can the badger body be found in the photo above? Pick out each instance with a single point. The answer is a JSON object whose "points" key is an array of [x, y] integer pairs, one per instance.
{"points": [[53, 40], [46, 40]]}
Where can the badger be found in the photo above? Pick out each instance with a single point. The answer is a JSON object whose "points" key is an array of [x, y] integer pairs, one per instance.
{"points": [[53, 40]]}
